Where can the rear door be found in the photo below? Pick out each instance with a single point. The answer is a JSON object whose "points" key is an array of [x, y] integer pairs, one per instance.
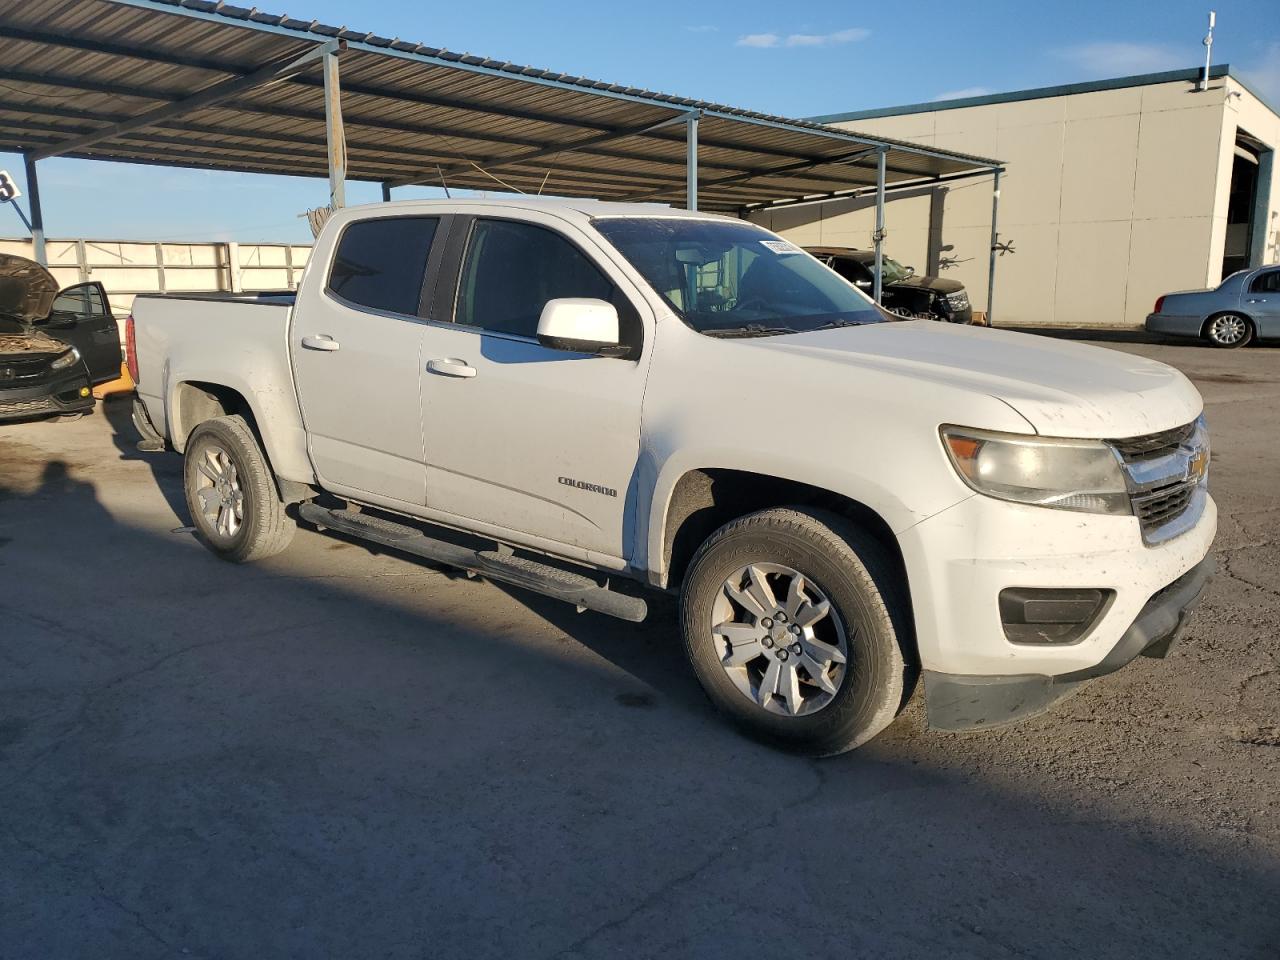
{"points": [[521, 437], [355, 349], [82, 317], [1262, 302]]}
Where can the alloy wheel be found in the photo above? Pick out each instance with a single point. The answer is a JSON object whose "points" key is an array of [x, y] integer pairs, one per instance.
{"points": [[779, 639], [1228, 329], [219, 493]]}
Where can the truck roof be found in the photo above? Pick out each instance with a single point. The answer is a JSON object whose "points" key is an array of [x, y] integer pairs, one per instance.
{"points": [[571, 209]]}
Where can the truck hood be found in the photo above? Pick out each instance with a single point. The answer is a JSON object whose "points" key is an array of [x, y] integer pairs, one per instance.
{"points": [[1062, 389], [941, 285]]}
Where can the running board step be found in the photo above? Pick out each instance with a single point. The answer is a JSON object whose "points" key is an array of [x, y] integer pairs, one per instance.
{"points": [[574, 588]]}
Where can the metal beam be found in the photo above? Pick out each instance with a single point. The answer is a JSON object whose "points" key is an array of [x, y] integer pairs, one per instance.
{"points": [[37, 214], [772, 171], [995, 237], [498, 163], [853, 194], [334, 134], [271, 73], [386, 192], [878, 236], [691, 162]]}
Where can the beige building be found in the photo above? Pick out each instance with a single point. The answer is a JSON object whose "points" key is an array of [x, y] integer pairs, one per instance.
{"points": [[1114, 192]]}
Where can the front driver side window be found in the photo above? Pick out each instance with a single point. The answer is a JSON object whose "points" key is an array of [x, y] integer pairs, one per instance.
{"points": [[512, 269]]}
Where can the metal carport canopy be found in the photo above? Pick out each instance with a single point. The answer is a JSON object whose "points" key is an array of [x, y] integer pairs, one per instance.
{"points": [[77, 72]]}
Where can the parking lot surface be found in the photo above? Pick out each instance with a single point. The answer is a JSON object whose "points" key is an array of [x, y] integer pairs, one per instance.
{"points": [[337, 753]]}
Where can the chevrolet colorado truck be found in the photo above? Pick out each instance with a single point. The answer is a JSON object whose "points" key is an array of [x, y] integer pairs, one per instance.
{"points": [[593, 400]]}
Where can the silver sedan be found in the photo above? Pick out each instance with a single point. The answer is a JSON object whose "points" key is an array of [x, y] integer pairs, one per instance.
{"points": [[1244, 306]]}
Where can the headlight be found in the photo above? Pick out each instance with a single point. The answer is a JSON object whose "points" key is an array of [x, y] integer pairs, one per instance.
{"points": [[1081, 475], [72, 356]]}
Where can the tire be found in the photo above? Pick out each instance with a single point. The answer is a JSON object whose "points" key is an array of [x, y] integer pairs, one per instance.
{"points": [[1228, 330], [223, 458], [868, 609]]}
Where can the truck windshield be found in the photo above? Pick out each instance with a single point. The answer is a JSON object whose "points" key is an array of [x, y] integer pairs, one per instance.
{"points": [[731, 279]]}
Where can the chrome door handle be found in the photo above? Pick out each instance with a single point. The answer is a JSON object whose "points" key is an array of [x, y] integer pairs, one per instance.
{"points": [[1259, 300], [451, 367], [321, 342]]}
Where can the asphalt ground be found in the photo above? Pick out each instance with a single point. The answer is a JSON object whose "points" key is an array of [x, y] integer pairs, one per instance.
{"points": [[337, 753]]}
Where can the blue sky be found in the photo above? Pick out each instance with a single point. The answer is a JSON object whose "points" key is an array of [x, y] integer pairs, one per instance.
{"points": [[796, 59]]}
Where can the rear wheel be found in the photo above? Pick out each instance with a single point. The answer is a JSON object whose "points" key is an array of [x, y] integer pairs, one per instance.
{"points": [[231, 494], [795, 624], [1229, 330]]}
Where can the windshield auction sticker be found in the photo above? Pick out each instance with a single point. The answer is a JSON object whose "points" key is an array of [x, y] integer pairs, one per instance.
{"points": [[780, 246]]}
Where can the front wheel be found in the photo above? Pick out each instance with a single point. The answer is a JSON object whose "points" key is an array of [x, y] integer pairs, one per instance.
{"points": [[231, 494], [795, 622], [1228, 330]]}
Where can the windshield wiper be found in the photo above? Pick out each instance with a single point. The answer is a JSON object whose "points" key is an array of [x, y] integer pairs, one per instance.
{"points": [[748, 330], [842, 323]]}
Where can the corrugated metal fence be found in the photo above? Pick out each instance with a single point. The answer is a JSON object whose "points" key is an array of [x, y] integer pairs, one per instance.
{"points": [[129, 267]]}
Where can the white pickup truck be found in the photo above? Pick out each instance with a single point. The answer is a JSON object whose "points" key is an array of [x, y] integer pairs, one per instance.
{"points": [[567, 396]]}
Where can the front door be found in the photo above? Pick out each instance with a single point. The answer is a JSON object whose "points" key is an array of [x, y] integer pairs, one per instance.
{"points": [[82, 317], [532, 440], [355, 350]]}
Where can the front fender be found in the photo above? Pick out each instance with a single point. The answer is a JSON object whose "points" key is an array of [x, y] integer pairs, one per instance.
{"points": [[876, 492]]}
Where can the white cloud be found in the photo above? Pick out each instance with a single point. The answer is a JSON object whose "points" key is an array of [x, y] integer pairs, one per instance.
{"points": [[1106, 59], [849, 35], [964, 92], [1264, 75]]}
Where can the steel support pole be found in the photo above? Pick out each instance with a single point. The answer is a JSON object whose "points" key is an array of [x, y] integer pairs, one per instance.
{"points": [[995, 236], [335, 135], [878, 287], [37, 214], [386, 192], [691, 162]]}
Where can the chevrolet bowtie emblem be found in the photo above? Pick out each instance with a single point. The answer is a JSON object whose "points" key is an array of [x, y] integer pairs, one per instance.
{"points": [[1198, 465]]}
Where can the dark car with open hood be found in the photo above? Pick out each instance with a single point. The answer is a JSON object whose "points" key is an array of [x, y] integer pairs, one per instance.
{"points": [[905, 293], [55, 346]]}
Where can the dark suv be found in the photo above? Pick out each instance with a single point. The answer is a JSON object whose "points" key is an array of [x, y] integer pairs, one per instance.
{"points": [[903, 293]]}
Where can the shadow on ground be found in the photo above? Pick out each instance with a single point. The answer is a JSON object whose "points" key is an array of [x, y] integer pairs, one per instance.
{"points": [[330, 754]]}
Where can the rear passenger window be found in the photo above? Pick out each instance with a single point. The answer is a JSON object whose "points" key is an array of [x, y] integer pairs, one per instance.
{"points": [[381, 263], [1266, 283], [512, 269]]}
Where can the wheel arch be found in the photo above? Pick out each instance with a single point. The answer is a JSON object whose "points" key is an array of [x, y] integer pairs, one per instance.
{"points": [[193, 402], [704, 499], [1244, 315], [194, 395]]}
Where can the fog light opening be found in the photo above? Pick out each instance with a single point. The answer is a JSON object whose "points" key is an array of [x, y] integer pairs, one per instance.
{"points": [[1051, 617]]}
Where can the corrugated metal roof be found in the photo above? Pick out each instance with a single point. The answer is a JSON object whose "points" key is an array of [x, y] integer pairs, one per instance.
{"points": [[412, 113]]}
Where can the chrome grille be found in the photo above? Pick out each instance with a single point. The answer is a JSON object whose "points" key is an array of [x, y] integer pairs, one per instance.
{"points": [[1166, 475], [1155, 444], [1162, 506]]}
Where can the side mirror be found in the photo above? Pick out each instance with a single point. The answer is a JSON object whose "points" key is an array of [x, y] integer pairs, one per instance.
{"points": [[911, 271], [580, 325]]}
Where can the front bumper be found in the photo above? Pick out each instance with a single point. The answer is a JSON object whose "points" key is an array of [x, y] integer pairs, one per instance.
{"points": [[57, 395], [957, 702], [959, 561]]}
